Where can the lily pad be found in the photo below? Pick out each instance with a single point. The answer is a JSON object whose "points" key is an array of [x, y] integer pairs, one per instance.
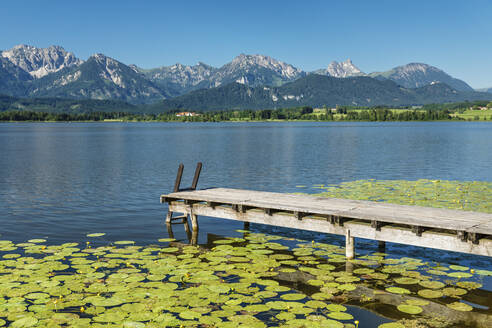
{"points": [[431, 284], [459, 274], [460, 306], [406, 281], [36, 241], [340, 315], [96, 234], [398, 290], [292, 297], [430, 293], [410, 309], [391, 325]]}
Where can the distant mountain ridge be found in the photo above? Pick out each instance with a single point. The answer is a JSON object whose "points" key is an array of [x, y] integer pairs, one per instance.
{"points": [[316, 90], [342, 69], [27, 71], [489, 90], [39, 62], [100, 77], [416, 75], [253, 70]]}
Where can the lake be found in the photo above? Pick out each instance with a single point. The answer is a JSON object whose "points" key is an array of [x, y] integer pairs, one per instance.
{"points": [[61, 181]]}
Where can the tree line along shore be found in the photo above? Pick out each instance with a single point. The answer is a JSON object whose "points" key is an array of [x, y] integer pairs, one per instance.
{"points": [[476, 111]]}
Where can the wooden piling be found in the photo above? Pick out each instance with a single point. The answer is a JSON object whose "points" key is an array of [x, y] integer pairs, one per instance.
{"points": [[349, 245]]}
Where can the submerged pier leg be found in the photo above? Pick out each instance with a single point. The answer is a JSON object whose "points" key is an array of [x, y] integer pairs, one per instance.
{"points": [[381, 246], [349, 245], [169, 216], [194, 238], [246, 226], [169, 229], [194, 220]]}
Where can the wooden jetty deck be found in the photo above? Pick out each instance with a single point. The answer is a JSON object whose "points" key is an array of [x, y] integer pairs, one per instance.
{"points": [[451, 230]]}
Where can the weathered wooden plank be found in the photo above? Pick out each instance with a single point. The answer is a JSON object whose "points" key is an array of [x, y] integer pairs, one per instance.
{"points": [[358, 229], [365, 210]]}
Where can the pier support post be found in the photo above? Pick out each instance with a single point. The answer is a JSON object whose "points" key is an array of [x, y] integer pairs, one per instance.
{"points": [[349, 267], [381, 246], [169, 216], [170, 230], [246, 226], [349, 245], [194, 220]]}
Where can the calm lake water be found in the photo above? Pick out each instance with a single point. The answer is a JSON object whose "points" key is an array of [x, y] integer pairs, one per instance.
{"points": [[60, 181], [63, 180]]}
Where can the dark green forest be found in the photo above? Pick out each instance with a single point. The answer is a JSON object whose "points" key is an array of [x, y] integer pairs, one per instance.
{"points": [[289, 114]]}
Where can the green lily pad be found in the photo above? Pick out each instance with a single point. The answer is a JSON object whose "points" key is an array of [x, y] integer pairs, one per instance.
{"points": [[24, 322], [188, 314], [166, 240], [336, 307], [109, 317], [459, 268], [96, 234], [468, 284], [346, 287], [124, 242], [454, 292], [391, 325], [292, 297], [410, 309], [430, 293], [460, 306], [285, 316], [459, 274], [340, 315], [398, 290], [37, 241], [406, 281], [133, 324], [431, 284]]}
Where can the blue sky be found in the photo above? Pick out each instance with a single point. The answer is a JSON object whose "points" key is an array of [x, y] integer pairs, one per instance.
{"points": [[455, 36]]}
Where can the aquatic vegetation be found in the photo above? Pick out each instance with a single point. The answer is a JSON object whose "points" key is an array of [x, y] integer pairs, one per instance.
{"points": [[250, 281], [410, 309], [461, 195]]}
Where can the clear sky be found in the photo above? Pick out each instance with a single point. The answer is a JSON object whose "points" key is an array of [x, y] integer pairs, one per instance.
{"points": [[455, 36]]}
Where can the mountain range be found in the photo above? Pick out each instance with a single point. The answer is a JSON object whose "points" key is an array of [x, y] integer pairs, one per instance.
{"points": [[318, 91], [27, 71]]}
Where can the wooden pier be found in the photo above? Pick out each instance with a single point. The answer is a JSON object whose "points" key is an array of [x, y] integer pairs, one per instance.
{"points": [[450, 230]]}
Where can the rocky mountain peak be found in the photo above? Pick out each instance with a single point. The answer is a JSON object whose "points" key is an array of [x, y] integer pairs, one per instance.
{"points": [[343, 69], [416, 75], [39, 62], [244, 61]]}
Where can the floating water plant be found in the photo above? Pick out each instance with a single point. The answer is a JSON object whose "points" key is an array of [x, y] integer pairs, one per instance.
{"points": [[462, 195], [239, 281]]}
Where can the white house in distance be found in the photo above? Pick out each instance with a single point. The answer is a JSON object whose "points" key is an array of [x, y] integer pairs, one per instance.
{"points": [[187, 114]]}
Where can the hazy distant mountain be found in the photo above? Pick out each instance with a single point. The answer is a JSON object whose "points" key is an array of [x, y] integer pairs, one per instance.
{"points": [[100, 77], [256, 70], [342, 69], [485, 90], [27, 71], [415, 75], [40, 62], [316, 90], [12, 78], [179, 79], [253, 70]]}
